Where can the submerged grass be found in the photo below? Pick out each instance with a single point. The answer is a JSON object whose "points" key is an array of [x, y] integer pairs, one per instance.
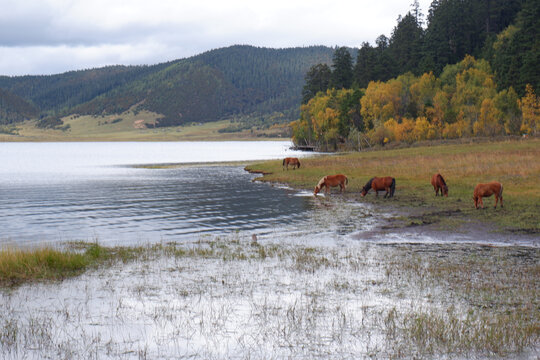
{"points": [[364, 300], [515, 163]]}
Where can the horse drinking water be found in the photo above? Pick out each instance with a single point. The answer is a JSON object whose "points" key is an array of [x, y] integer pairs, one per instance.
{"points": [[294, 162], [380, 183], [486, 190], [331, 181], [439, 184]]}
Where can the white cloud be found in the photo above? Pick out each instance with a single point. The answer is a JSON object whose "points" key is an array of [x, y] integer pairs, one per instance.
{"points": [[51, 36]]}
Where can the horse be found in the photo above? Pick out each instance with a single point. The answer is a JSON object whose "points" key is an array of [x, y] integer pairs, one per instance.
{"points": [[331, 181], [380, 183], [294, 162], [486, 190], [439, 184]]}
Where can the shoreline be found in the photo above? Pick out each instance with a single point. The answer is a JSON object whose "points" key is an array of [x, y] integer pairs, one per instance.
{"points": [[415, 201]]}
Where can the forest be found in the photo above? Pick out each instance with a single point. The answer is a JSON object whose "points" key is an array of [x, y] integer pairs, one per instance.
{"points": [[471, 71], [244, 82]]}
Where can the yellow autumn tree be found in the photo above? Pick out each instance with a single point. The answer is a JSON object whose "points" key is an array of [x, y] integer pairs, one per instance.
{"points": [[380, 102], [530, 109], [423, 91], [487, 123]]}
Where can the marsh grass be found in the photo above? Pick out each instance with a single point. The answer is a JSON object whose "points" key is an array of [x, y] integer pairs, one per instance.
{"points": [[268, 300], [18, 266], [492, 298], [514, 163]]}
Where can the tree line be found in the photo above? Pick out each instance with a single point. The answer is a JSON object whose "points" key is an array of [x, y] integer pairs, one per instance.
{"points": [[425, 84]]}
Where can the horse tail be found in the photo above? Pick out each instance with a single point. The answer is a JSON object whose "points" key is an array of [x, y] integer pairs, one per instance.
{"points": [[392, 187], [346, 180], [284, 162], [500, 192], [299, 164]]}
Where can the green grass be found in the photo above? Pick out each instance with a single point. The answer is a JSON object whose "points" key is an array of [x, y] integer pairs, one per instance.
{"points": [[514, 163], [18, 266]]}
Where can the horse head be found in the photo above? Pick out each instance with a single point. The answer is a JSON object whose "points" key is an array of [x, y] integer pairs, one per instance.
{"points": [[445, 190], [317, 189], [364, 191]]}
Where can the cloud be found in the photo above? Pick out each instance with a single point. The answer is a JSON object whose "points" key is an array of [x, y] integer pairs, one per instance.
{"points": [[48, 36]]}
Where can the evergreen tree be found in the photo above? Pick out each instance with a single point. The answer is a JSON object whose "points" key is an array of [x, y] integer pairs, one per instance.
{"points": [[317, 79], [406, 44], [342, 73], [365, 63]]}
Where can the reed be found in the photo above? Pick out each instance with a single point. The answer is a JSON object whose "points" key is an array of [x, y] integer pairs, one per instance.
{"points": [[18, 266]]}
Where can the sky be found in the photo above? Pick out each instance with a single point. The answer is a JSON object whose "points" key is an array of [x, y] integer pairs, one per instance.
{"points": [[39, 37]]}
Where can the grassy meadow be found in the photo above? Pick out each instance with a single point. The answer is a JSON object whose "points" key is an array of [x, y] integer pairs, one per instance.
{"points": [[130, 126], [514, 163]]}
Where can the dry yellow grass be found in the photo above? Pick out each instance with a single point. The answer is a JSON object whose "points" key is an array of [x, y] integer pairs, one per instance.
{"points": [[515, 163]]}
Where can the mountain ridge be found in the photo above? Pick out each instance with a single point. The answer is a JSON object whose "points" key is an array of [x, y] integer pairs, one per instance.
{"points": [[211, 86]]}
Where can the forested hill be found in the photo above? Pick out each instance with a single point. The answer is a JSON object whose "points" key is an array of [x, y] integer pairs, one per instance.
{"points": [[206, 87]]}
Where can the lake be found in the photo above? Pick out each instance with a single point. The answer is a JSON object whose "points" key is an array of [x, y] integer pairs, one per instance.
{"points": [[53, 192]]}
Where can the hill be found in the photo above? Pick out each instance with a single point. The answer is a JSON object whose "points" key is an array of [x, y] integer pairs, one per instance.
{"points": [[233, 81], [14, 108]]}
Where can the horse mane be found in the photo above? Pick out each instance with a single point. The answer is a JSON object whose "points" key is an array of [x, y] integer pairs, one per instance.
{"points": [[368, 184], [442, 180], [321, 182]]}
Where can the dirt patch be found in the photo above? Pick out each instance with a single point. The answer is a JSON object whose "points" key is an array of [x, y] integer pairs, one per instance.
{"points": [[139, 124]]}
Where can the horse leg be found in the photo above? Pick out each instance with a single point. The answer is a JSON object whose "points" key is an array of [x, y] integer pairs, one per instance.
{"points": [[437, 190], [496, 200], [481, 202], [501, 200]]}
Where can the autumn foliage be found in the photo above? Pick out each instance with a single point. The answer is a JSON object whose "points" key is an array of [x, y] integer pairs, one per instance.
{"points": [[462, 102]]}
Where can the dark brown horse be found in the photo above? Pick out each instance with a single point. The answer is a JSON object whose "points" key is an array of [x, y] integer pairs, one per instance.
{"points": [[486, 190], [439, 184], [380, 183], [331, 181], [294, 162]]}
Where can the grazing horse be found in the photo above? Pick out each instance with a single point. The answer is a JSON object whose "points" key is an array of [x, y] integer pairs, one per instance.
{"points": [[294, 162], [331, 181], [380, 183], [439, 184], [486, 190]]}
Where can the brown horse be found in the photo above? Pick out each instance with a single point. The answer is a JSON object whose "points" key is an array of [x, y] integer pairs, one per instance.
{"points": [[331, 181], [294, 162], [486, 190], [380, 183], [439, 184]]}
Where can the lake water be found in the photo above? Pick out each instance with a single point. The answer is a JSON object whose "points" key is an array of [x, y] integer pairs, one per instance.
{"points": [[53, 192]]}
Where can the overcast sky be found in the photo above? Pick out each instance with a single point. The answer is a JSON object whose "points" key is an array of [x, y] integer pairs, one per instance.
{"points": [[54, 36]]}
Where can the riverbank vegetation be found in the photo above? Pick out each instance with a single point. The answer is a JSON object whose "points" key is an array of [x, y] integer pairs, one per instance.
{"points": [[514, 163], [241, 297], [462, 102]]}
